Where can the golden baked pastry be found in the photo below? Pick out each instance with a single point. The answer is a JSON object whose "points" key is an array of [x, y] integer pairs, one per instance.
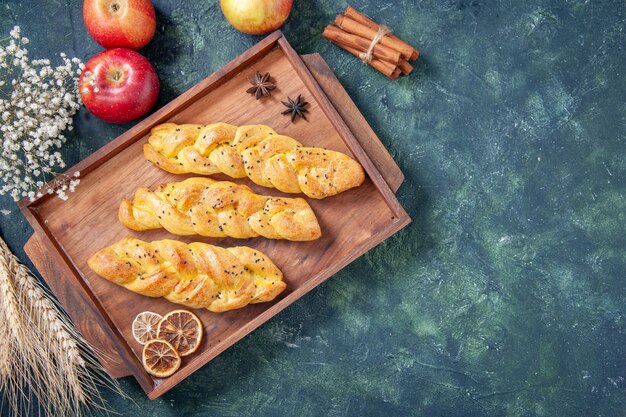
{"points": [[258, 152], [218, 209], [196, 275]]}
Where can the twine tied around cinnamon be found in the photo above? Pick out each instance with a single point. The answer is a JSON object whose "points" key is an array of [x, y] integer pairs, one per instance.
{"points": [[366, 57]]}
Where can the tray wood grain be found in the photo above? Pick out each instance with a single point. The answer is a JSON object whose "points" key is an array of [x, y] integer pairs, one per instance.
{"points": [[352, 222]]}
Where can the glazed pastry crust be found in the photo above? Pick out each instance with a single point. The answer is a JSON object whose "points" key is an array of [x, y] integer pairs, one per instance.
{"points": [[196, 275], [219, 209], [256, 152]]}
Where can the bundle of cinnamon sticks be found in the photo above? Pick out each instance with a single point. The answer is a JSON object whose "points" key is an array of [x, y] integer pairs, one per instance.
{"points": [[372, 43]]}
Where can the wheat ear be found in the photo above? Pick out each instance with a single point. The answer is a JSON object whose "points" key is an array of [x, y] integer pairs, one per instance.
{"points": [[43, 359]]}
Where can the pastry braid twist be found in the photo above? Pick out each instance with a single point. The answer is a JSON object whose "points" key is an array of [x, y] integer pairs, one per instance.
{"points": [[258, 152], [217, 209], [196, 275]]}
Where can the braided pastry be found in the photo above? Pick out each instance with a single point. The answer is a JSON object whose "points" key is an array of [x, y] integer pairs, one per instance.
{"points": [[197, 275], [217, 209], [258, 152]]}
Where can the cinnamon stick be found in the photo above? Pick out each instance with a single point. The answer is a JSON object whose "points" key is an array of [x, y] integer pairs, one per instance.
{"points": [[358, 28], [354, 14], [385, 67], [405, 67], [342, 38]]}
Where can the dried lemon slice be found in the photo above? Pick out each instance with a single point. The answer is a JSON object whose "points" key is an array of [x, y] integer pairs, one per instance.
{"points": [[182, 329], [160, 358], [145, 326]]}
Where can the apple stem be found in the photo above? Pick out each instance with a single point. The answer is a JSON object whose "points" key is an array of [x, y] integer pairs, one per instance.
{"points": [[115, 7]]}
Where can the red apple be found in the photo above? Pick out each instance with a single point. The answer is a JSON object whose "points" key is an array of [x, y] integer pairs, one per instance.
{"points": [[256, 16], [119, 85], [120, 23]]}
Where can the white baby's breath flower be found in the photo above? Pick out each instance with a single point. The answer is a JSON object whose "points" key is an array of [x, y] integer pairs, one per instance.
{"points": [[34, 112]]}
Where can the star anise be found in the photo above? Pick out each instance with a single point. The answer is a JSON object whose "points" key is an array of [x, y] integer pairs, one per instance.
{"points": [[295, 107], [261, 85]]}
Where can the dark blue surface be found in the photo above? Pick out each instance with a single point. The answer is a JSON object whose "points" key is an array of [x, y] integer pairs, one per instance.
{"points": [[506, 295]]}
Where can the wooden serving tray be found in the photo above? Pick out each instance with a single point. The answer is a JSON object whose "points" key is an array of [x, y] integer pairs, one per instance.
{"points": [[67, 233]]}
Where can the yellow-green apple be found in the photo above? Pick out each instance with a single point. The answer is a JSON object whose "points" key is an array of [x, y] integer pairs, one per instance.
{"points": [[119, 85], [120, 23], [256, 16]]}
